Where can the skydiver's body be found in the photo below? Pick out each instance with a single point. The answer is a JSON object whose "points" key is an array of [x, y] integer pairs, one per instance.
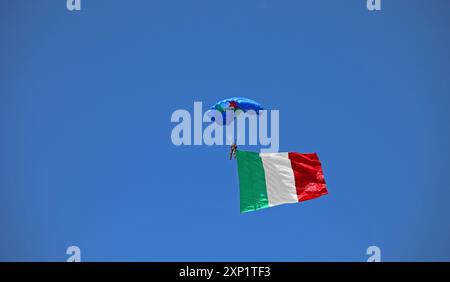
{"points": [[233, 151]]}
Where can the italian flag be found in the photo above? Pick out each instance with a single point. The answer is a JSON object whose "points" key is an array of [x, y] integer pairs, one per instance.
{"points": [[271, 179]]}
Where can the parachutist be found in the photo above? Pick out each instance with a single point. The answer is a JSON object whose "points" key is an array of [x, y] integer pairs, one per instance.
{"points": [[233, 151]]}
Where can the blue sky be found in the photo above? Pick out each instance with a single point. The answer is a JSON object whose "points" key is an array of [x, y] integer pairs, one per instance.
{"points": [[86, 157]]}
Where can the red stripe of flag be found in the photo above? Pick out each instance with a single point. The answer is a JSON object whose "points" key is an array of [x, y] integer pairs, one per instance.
{"points": [[309, 180]]}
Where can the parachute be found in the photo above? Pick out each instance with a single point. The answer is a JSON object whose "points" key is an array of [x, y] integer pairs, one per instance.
{"points": [[228, 109], [234, 106]]}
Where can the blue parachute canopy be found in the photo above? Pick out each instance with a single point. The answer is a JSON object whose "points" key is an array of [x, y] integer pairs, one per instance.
{"points": [[232, 105]]}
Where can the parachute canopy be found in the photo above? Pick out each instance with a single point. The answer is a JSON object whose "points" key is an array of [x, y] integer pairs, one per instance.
{"points": [[233, 105]]}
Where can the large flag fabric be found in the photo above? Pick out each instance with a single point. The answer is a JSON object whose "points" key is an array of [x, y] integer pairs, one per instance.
{"points": [[271, 179]]}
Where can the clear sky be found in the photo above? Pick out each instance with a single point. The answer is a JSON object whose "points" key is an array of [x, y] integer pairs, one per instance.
{"points": [[86, 157]]}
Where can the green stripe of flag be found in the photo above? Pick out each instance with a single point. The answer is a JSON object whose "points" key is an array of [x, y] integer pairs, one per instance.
{"points": [[252, 181]]}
